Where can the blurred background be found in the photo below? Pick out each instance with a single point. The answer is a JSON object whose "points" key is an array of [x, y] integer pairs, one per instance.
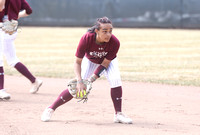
{"points": [[123, 13], [160, 39]]}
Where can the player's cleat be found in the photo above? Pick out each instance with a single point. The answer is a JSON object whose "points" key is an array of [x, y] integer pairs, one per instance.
{"points": [[121, 118], [4, 95], [35, 86], [46, 115]]}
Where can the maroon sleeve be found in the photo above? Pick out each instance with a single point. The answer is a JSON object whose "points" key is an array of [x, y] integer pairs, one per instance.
{"points": [[82, 47], [13, 9], [114, 49], [26, 6], [1, 16], [15, 6]]}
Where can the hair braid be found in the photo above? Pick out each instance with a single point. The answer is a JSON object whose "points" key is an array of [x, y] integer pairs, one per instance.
{"points": [[98, 22]]}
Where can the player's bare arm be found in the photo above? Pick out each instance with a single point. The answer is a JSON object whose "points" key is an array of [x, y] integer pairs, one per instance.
{"points": [[2, 3], [25, 10], [22, 14], [77, 70]]}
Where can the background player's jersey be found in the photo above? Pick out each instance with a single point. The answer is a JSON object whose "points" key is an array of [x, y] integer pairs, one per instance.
{"points": [[95, 52], [13, 7], [1, 16]]}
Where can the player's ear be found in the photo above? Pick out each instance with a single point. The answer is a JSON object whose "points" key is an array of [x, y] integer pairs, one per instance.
{"points": [[96, 30]]}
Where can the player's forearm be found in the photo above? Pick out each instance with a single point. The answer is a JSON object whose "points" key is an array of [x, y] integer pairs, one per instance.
{"points": [[77, 69], [78, 72], [93, 78], [97, 73], [22, 14], [100, 69], [2, 5]]}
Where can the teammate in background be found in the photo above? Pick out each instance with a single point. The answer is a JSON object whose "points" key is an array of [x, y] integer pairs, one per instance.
{"points": [[13, 10], [96, 55]]}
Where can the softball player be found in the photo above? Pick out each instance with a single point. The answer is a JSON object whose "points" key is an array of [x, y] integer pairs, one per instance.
{"points": [[96, 55], [13, 10]]}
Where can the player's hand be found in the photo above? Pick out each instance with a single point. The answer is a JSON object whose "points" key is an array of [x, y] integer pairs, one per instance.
{"points": [[80, 89], [80, 86]]}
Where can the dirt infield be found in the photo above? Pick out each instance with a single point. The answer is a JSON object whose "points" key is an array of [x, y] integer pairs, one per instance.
{"points": [[155, 109]]}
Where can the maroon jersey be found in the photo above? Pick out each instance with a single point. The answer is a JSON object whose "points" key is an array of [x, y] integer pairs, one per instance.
{"points": [[95, 52], [13, 7], [1, 16]]}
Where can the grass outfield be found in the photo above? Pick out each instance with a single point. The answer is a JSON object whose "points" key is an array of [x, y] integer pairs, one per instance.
{"points": [[166, 56]]}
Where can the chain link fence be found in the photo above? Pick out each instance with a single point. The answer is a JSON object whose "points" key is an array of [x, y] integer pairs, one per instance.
{"points": [[123, 13]]}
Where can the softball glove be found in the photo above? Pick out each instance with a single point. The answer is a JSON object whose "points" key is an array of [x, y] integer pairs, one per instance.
{"points": [[10, 27], [82, 95]]}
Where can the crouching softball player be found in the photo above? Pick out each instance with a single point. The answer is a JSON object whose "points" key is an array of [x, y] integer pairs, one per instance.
{"points": [[96, 55]]}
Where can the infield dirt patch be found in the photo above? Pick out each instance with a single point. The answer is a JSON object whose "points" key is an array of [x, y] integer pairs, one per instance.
{"points": [[155, 109]]}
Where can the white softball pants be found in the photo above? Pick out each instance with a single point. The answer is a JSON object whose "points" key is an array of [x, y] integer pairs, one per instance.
{"points": [[112, 73], [7, 49]]}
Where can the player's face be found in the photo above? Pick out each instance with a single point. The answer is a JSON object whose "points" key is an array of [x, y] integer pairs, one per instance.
{"points": [[104, 33]]}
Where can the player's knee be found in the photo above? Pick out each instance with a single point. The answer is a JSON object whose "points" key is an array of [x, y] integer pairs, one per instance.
{"points": [[115, 83], [1, 63], [13, 63], [11, 58]]}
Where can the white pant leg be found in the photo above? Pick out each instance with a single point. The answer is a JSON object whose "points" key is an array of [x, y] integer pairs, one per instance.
{"points": [[113, 74], [1, 47], [87, 68], [9, 49]]}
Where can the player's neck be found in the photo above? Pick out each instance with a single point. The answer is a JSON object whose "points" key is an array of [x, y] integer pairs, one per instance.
{"points": [[98, 42]]}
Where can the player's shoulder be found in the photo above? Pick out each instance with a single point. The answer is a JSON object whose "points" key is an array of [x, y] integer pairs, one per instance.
{"points": [[88, 36], [23, 0]]}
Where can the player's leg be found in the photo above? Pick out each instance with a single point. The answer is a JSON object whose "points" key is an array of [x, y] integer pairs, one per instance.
{"points": [[63, 98], [36, 83], [87, 69], [1, 77], [10, 55], [1, 61], [113, 75], [3, 93]]}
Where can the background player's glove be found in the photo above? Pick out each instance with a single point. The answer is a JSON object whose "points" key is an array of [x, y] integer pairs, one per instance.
{"points": [[10, 27], [83, 95]]}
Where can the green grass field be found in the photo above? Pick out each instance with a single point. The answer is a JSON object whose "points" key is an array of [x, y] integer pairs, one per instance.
{"points": [[167, 56]]}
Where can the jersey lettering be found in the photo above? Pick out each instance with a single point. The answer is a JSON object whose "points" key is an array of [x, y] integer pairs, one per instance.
{"points": [[98, 54]]}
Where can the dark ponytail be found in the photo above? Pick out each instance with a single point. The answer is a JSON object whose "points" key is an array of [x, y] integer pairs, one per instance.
{"points": [[98, 22]]}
